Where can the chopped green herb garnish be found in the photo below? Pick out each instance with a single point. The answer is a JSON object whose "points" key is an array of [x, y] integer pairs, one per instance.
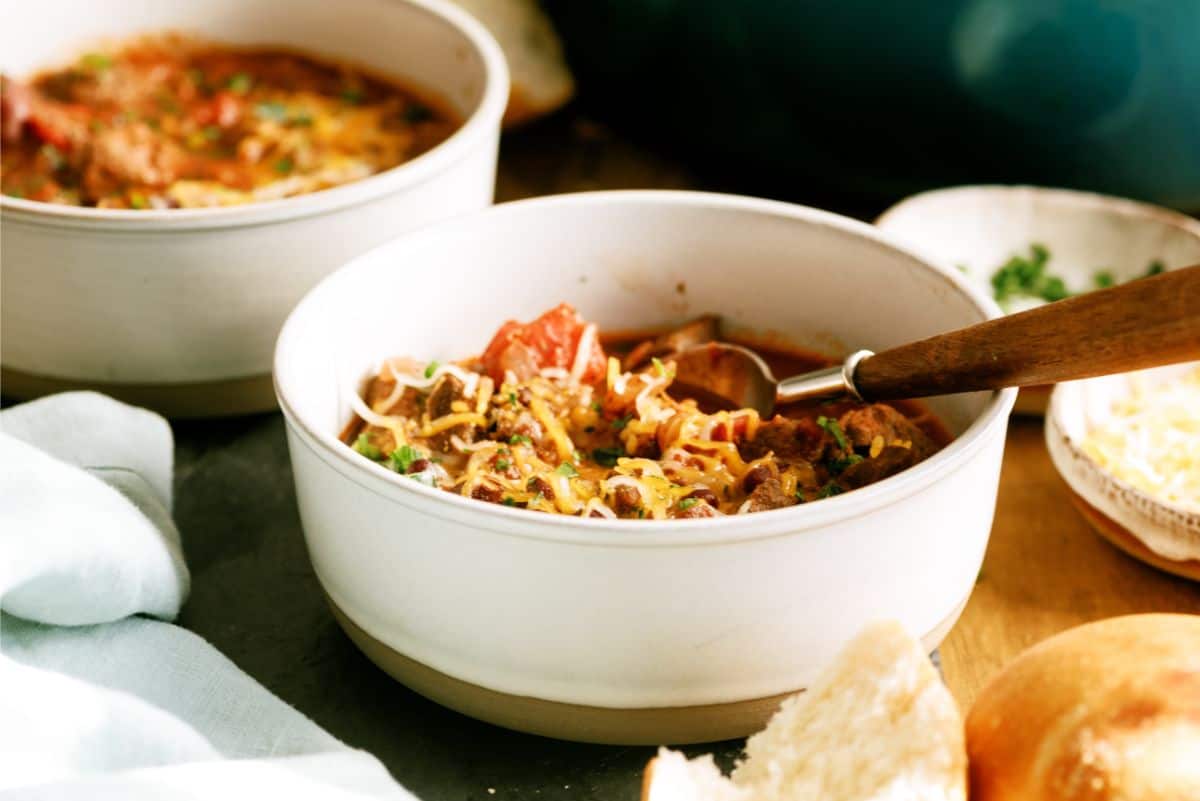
{"points": [[353, 95], [832, 426], [519, 439], [431, 368], [270, 110], [641, 513], [620, 423], [537, 499], [607, 457], [1155, 268], [1103, 279], [301, 118], [800, 496], [659, 367], [415, 112], [363, 445], [502, 464], [239, 83], [838, 465], [403, 457], [1021, 276], [96, 61], [829, 490], [566, 469], [687, 503], [53, 155], [138, 201], [284, 166], [508, 501], [596, 407]]}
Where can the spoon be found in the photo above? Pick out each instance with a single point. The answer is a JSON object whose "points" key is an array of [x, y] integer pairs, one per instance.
{"points": [[1144, 323]]}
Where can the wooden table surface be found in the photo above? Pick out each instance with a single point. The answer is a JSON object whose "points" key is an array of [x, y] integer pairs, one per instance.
{"points": [[1045, 569]]}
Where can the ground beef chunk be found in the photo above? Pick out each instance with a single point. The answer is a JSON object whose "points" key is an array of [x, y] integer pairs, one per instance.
{"points": [[769, 495], [541, 486], [626, 501], [705, 494], [696, 510], [790, 440], [446, 390], [756, 475], [487, 492], [131, 154], [890, 461], [864, 424], [407, 405]]}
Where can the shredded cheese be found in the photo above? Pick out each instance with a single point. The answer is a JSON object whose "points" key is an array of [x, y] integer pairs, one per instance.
{"points": [[1152, 439]]}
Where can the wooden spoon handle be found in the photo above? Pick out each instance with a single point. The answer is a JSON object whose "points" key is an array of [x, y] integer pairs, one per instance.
{"points": [[1144, 323]]}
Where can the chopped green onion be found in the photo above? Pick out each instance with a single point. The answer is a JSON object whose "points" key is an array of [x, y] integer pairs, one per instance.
{"points": [[509, 501], [831, 425], [1103, 279], [431, 368], [607, 457], [239, 83], [687, 503], [512, 398], [138, 201], [519, 439], [829, 490], [96, 61], [1155, 268], [502, 464], [800, 496], [353, 95], [596, 407], [403, 457], [1021, 276], [271, 110], [566, 469], [621, 422], [363, 445], [53, 155], [837, 466], [284, 166]]}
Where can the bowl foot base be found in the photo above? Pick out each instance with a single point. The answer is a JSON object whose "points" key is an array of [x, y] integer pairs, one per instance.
{"points": [[590, 724]]}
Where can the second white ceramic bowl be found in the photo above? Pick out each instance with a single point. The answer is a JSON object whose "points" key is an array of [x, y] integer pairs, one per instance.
{"points": [[629, 631], [179, 309]]}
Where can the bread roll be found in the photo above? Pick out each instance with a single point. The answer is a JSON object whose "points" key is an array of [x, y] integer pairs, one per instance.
{"points": [[1104, 712], [877, 725]]}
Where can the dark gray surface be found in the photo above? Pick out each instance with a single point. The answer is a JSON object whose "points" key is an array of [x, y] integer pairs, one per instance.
{"points": [[255, 598]]}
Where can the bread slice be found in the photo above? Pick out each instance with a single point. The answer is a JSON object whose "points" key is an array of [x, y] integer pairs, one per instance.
{"points": [[541, 81], [877, 725]]}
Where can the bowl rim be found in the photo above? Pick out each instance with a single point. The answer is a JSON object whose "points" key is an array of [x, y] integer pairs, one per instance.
{"points": [[482, 121], [1093, 201], [640, 533]]}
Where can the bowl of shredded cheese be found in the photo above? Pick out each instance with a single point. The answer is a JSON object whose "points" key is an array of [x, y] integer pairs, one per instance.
{"points": [[1128, 447]]}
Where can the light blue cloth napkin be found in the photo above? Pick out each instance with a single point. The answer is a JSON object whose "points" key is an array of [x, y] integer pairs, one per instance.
{"points": [[98, 700]]}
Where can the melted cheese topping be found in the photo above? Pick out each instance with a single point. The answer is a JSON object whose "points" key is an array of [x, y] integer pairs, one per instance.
{"points": [[1152, 440]]}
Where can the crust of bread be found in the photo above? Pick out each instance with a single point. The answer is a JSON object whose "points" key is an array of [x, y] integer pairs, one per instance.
{"points": [[541, 81], [1108, 711]]}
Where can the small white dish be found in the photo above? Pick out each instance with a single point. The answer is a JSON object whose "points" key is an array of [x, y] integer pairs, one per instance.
{"points": [[1157, 532], [976, 229], [616, 630], [179, 309]]}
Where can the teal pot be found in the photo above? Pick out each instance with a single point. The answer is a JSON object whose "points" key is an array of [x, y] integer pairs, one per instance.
{"points": [[880, 100]]}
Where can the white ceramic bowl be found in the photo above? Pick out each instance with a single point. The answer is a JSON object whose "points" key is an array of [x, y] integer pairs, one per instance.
{"points": [[977, 228], [624, 631], [180, 309], [1161, 534]]}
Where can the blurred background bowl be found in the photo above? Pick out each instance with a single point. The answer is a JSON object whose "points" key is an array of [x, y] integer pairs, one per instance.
{"points": [[879, 100], [178, 309]]}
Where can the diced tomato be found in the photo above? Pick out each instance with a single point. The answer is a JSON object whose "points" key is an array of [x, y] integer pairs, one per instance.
{"points": [[549, 341], [224, 110], [43, 130]]}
